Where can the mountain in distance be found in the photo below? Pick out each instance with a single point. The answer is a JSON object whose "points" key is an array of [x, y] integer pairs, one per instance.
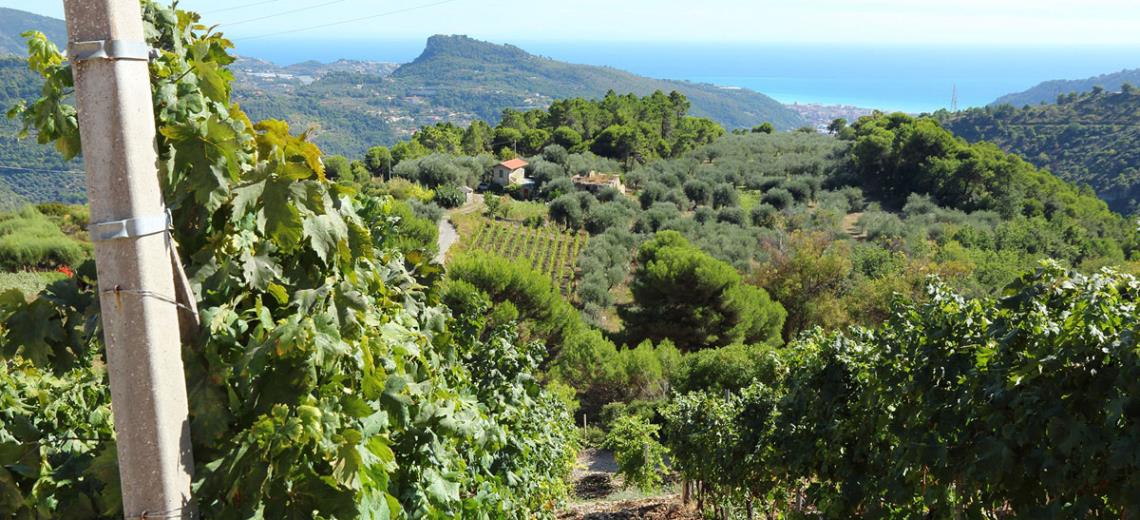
{"points": [[14, 22], [254, 74], [458, 79], [460, 63], [1048, 91], [1091, 138], [29, 172]]}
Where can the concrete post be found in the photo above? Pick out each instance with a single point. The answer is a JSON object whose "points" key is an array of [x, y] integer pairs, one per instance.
{"points": [[136, 281]]}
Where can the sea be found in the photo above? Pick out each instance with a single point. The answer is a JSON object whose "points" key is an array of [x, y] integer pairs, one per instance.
{"points": [[913, 78]]}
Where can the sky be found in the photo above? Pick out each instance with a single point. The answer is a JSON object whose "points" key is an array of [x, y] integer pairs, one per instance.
{"points": [[890, 22]]}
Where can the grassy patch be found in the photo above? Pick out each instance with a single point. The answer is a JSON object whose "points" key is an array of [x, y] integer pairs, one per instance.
{"points": [[749, 199], [522, 210], [30, 283]]}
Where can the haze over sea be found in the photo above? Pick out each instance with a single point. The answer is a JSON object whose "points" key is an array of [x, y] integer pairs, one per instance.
{"points": [[914, 79]]}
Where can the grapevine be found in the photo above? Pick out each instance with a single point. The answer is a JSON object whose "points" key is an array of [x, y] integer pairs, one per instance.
{"points": [[323, 381], [954, 408], [544, 248]]}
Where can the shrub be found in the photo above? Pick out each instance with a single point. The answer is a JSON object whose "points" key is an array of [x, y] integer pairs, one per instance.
{"points": [[29, 240], [639, 455], [704, 214], [403, 189], [730, 368], [731, 215], [801, 190], [450, 197], [556, 188], [881, 225], [724, 195], [778, 198], [567, 212], [764, 215]]}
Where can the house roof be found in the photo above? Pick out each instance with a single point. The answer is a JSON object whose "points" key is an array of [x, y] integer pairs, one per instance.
{"points": [[596, 178], [514, 164]]}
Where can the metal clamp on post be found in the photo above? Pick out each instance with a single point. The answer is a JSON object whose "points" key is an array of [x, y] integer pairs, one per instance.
{"points": [[109, 50], [130, 228]]}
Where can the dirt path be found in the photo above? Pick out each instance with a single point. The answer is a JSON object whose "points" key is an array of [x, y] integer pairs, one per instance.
{"points": [[658, 508], [851, 225], [448, 235], [597, 495]]}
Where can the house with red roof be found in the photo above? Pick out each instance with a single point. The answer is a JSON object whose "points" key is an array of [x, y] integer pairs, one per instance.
{"points": [[509, 172]]}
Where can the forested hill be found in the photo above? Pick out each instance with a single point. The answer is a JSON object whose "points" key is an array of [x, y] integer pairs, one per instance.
{"points": [[14, 22], [29, 172], [461, 80], [1048, 91], [464, 67], [1091, 138]]}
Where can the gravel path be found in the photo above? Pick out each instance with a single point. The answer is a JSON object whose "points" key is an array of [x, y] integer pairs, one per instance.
{"points": [[448, 236]]}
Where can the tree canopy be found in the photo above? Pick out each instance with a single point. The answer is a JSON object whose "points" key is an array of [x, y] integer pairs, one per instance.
{"points": [[684, 295]]}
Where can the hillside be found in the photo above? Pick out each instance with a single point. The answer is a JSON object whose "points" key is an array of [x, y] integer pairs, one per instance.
{"points": [[252, 74], [1091, 138], [1048, 91], [29, 172], [460, 80], [13, 22], [349, 106], [457, 65]]}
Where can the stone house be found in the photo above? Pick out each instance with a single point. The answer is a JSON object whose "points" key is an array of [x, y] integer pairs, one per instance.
{"points": [[509, 172]]}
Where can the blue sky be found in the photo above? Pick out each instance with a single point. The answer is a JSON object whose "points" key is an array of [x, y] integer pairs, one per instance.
{"points": [[900, 22]]}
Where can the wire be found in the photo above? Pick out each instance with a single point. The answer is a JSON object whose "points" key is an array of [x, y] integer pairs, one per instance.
{"points": [[237, 7], [282, 13], [40, 170], [350, 20], [150, 294]]}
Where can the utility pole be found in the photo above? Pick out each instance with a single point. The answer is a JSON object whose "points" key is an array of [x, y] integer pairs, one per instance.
{"points": [[133, 253]]}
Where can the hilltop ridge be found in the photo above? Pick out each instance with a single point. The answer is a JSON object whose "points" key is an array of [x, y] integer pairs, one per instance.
{"points": [[14, 22], [1086, 138], [461, 64], [1048, 91]]}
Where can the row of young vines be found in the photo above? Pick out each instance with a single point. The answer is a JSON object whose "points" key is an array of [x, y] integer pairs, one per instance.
{"points": [[325, 381], [1025, 407], [549, 250]]}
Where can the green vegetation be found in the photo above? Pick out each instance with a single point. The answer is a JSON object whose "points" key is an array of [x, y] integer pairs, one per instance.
{"points": [[1023, 407], [460, 79], [626, 128], [14, 22], [30, 240], [1089, 138], [29, 283], [325, 380], [801, 324], [1049, 91], [449, 63], [640, 458], [547, 250], [682, 294], [30, 172]]}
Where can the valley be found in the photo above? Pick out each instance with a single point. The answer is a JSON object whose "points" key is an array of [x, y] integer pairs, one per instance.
{"points": [[489, 284]]}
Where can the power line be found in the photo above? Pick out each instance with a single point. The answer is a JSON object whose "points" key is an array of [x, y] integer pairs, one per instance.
{"points": [[237, 7], [40, 170], [282, 13], [350, 20]]}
